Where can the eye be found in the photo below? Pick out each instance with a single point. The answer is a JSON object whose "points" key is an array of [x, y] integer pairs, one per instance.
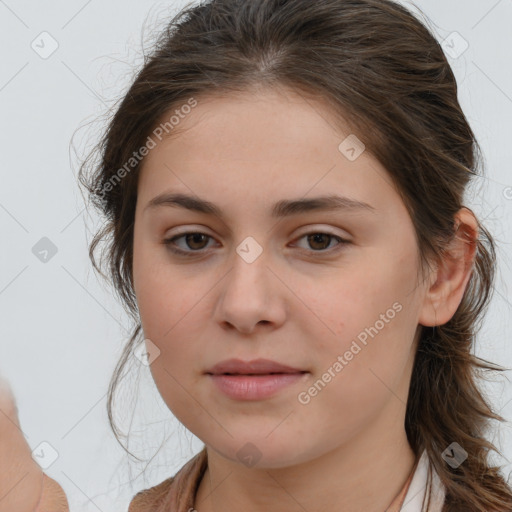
{"points": [[195, 242], [192, 240], [320, 241]]}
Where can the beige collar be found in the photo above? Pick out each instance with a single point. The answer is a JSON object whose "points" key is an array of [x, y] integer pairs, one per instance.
{"points": [[177, 494]]}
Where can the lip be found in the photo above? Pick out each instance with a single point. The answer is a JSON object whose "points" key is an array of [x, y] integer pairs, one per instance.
{"points": [[253, 380], [254, 367]]}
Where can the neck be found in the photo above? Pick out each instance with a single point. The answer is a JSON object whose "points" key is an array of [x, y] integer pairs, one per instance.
{"points": [[365, 474]]}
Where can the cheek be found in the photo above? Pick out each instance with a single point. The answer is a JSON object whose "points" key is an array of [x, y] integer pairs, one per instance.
{"points": [[372, 315], [362, 371], [166, 311], [161, 296], [173, 315], [354, 301]]}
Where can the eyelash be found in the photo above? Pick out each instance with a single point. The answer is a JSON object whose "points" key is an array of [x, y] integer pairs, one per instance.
{"points": [[170, 241]]}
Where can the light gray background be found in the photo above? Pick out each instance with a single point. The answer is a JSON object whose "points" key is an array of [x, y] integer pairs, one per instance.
{"points": [[62, 331]]}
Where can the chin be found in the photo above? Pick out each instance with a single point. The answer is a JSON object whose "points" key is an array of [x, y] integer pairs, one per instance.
{"points": [[260, 452]]}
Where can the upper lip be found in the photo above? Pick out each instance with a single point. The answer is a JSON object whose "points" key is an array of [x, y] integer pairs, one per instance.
{"points": [[256, 366]]}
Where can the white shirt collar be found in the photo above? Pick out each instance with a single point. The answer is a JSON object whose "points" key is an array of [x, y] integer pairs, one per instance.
{"points": [[417, 494]]}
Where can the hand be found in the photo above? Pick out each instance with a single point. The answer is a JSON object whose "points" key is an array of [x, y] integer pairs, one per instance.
{"points": [[23, 485]]}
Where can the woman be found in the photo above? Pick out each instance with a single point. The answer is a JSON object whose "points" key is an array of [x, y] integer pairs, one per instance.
{"points": [[319, 377]]}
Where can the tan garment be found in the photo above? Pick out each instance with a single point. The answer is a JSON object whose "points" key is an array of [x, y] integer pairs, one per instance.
{"points": [[177, 494], [53, 497]]}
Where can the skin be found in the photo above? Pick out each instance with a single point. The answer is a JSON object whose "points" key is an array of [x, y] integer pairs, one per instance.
{"points": [[23, 485], [299, 303], [291, 304]]}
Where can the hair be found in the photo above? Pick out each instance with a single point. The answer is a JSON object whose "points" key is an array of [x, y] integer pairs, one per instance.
{"points": [[385, 74]]}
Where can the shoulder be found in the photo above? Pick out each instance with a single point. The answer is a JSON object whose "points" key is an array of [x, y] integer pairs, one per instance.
{"points": [[174, 492], [148, 499]]}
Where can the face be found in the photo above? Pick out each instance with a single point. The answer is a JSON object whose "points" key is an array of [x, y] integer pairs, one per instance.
{"points": [[330, 292]]}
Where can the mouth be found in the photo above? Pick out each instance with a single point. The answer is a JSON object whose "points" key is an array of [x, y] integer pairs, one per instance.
{"points": [[255, 387], [254, 380], [255, 367], [257, 374]]}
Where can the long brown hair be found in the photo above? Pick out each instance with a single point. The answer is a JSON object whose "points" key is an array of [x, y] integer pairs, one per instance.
{"points": [[386, 75]]}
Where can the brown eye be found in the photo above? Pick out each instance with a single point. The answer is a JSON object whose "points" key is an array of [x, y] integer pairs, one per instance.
{"points": [[195, 242], [319, 241]]}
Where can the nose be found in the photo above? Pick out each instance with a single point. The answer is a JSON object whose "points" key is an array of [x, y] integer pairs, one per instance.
{"points": [[251, 294]]}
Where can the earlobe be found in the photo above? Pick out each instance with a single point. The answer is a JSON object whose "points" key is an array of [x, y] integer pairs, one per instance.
{"points": [[454, 269]]}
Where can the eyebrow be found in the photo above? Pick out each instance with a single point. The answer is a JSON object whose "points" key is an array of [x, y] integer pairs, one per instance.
{"points": [[283, 208]]}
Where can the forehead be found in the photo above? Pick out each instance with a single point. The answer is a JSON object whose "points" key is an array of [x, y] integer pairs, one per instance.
{"points": [[272, 141], [244, 125]]}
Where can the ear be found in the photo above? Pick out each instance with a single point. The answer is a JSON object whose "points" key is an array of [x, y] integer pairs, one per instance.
{"points": [[451, 276]]}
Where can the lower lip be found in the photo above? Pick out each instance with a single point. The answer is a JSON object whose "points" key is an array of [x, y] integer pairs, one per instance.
{"points": [[255, 387]]}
